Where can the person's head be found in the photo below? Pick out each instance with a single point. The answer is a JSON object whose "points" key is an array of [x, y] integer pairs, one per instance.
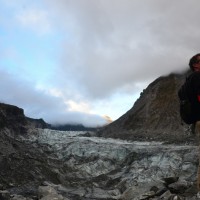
{"points": [[195, 62]]}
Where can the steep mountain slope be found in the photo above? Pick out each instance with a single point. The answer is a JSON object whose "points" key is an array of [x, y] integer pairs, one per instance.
{"points": [[154, 116]]}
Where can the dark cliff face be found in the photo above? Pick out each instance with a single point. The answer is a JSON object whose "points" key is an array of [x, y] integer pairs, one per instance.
{"points": [[154, 116], [13, 118]]}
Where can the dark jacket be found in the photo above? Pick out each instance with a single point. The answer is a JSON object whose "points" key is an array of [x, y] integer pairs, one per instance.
{"points": [[194, 93]]}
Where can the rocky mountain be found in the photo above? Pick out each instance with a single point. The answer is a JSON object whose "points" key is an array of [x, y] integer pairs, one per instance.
{"points": [[154, 116], [12, 117]]}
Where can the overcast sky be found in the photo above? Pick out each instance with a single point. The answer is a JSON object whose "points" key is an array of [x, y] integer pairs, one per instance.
{"points": [[84, 61]]}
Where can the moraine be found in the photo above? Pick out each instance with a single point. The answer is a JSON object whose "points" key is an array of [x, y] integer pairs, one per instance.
{"points": [[98, 168]]}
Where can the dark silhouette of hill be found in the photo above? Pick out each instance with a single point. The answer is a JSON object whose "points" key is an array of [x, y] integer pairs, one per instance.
{"points": [[12, 117], [71, 127]]}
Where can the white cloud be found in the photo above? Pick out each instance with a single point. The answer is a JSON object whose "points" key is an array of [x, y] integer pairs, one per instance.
{"points": [[36, 20], [78, 106], [38, 103], [72, 105]]}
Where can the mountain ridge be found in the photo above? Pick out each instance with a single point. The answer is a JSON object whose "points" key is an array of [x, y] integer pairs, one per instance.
{"points": [[155, 114], [15, 115]]}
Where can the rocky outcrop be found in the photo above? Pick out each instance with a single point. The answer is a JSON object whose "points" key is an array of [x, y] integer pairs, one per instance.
{"points": [[13, 118], [154, 116]]}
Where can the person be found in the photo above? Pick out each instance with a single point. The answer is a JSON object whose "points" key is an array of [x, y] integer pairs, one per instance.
{"points": [[194, 64]]}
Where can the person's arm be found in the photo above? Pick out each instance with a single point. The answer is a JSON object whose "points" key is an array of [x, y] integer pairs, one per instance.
{"points": [[196, 84]]}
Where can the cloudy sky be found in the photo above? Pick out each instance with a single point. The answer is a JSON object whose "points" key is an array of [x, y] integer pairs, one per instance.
{"points": [[83, 61]]}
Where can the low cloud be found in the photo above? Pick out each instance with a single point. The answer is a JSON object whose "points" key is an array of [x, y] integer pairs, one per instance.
{"points": [[39, 104], [36, 20]]}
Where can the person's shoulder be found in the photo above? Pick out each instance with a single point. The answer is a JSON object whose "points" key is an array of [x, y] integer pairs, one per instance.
{"points": [[194, 75], [194, 79]]}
